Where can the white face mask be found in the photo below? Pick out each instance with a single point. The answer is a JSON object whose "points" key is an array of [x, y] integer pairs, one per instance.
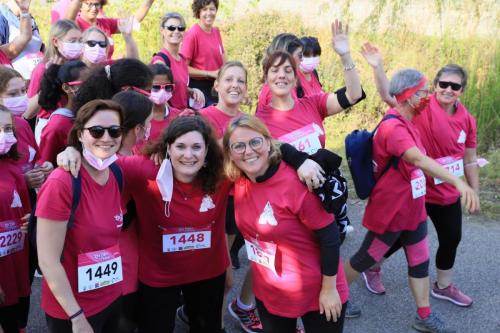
{"points": [[165, 182], [309, 64]]}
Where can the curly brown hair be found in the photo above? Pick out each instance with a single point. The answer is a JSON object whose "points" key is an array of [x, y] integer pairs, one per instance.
{"points": [[198, 5], [209, 177]]}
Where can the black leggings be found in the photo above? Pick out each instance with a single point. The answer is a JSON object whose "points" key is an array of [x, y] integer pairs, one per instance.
{"points": [[448, 223], [105, 321], [9, 318], [202, 304], [313, 321]]}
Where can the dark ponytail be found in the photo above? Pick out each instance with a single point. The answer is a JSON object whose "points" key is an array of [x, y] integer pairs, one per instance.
{"points": [[55, 76]]}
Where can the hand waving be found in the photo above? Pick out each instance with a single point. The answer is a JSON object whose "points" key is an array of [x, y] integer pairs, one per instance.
{"points": [[372, 54], [340, 41]]}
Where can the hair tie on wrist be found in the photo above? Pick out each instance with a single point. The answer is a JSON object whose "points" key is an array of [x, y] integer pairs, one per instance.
{"points": [[76, 314]]}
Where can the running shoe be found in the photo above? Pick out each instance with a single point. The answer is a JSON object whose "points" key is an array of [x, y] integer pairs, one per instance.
{"points": [[249, 320], [373, 280], [452, 294], [431, 324], [181, 319], [352, 310], [299, 330]]}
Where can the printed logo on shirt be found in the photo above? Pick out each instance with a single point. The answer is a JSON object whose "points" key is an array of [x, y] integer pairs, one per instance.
{"points": [[16, 200], [462, 137], [32, 152], [119, 219], [206, 204], [267, 216]]}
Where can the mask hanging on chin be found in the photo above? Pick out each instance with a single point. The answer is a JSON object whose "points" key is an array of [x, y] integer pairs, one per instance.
{"points": [[96, 162]]}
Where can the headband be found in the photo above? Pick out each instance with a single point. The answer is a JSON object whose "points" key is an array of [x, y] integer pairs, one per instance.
{"points": [[406, 94]]}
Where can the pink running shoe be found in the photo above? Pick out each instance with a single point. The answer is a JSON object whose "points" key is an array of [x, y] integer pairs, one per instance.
{"points": [[452, 294], [249, 320], [373, 281]]}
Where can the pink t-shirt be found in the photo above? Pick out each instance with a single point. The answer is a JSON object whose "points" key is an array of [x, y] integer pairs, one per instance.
{"points": [[54, 137], [4, 60], [129, 247], [14, 204], [97, 226], [180, 73], [190, 210], [302, 126], [26, 145], [310, 87], [108, 25], [445, 137], [391, 206], [286, 216], [217, 119], [203, 49]]}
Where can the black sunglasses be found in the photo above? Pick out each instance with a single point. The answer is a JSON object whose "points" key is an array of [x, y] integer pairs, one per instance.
{"points": [[173, 27], [93, 43], [446, 84], [97, 132], [169, 87]]}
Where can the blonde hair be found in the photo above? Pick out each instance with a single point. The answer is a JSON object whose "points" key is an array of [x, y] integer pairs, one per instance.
{"points": [[254, 124], [58, 31]]}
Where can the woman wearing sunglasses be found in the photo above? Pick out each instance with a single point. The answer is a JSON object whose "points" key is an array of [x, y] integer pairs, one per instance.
{"points": [[81, 263], [162, 92], [14, 205], [172, 27], [59, 81], [449, 135], [86, 14], [203, 48], [96, 46], [290, 239]]}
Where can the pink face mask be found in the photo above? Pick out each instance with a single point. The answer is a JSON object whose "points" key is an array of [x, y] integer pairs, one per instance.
{"points": [[309, 64], [7, 140], [160, 97], [71, 51], [95, 54], [96, 162], [16, 105]]}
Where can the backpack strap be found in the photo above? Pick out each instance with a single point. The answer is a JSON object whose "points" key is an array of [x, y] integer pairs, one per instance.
{"points": [[117, 172], [77, 191], [315, 72], [164, 57], [394, 161]]}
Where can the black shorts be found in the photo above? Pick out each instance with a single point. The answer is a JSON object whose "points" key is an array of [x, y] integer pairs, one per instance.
{"points": [[231, 228]]}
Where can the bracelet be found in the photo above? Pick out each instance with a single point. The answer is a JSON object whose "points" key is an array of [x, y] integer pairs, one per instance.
{"points": [[76, 314], [350, 67], [23, 15]]}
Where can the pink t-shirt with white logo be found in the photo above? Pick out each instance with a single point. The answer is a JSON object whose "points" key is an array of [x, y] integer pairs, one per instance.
{"points": [[97, 226], [287, 217]]}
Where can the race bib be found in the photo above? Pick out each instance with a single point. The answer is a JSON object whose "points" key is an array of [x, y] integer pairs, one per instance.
{"points": [[26, 63], [262, 253], [186, 239], [11, 238], [454, 165], [304, 139], [417, 183], [99, 269]]}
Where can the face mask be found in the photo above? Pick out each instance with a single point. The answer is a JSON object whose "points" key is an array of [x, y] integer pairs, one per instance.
{"points": [[195, 105], [309, 64], [7, 140], [95, 54], [160, 97], [424, 102], [96, 162], [71, 50], [16, 105], [165, 182]]}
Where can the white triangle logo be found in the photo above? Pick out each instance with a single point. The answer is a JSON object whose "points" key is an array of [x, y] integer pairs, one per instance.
{"points": [[267, 216], [206, 204], [16, 200], [462, 137]]}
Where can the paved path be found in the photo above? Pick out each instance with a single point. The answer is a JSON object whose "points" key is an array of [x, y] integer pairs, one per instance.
{"points": [[478, 274]]}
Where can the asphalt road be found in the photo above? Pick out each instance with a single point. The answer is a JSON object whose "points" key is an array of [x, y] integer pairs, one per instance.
{"points": [[477, 274]]}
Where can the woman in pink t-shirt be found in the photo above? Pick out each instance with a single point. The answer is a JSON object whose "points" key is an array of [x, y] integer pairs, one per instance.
{"points": [[396, 207], [308, 74], [81, 262], [172, 29], [203, 48], [291, 240]]}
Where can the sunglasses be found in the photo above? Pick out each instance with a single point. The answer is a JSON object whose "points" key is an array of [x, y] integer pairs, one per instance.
{"points": [[241, 147], [97, 132], [173, 27], [96, 5], [169, 87], [454, 86], [139, 90], [93, 43]]}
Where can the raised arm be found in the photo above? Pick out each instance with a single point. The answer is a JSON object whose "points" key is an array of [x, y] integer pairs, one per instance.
{"points": [[14, 48], [73, 9], [141, 13], [125, 26], [353, 92], [374, 58]]}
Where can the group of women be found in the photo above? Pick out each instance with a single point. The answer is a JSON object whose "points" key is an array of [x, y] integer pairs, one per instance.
{"points": [[164, 174]]}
